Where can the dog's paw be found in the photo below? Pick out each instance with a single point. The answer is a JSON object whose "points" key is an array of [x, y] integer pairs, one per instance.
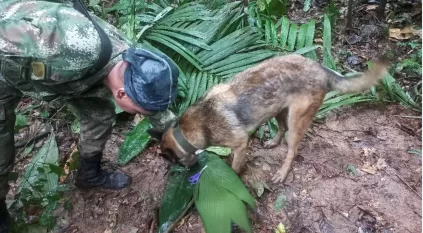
{"points": [[270, 144], [280, 176]]}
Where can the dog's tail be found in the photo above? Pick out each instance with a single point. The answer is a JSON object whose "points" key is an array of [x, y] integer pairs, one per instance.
{"points": [[359, 82]]}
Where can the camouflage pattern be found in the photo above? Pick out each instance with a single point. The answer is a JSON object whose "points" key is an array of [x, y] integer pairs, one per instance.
{"points": [[59, 37], [46, 48]]}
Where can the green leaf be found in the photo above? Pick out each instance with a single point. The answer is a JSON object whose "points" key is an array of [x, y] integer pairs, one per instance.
{"points": [[135, 142], [219, 197], [301, 36], [68, 205], [177, 196], [198, 81], [35, 228], [279, 202], [310, 39], [351, 169], [222, 151], [292, 37], [307, 49], [273, 127], [28, 150], [48, 154], [44, 114], [307, 5], [284, 31], [330, 104], [187, 39], [169, 42], [267, 30], [56, 169], [75, 126], [327, 44], [20, 122]]}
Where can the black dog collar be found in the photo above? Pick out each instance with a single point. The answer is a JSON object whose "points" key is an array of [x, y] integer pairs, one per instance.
{"points": [[183, 142]]}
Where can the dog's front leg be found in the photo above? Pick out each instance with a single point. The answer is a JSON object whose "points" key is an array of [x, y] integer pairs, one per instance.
{"points": [[240, 152]]}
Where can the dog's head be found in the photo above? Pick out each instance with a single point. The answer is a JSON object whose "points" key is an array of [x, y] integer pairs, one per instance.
{"points": [[171, 150]]}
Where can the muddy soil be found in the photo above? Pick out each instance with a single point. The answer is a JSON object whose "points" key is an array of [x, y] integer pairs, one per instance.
{"points": [[352, 174]]}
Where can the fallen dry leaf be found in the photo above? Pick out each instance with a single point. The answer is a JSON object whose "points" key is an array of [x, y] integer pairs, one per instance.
{"points": [[404, 34], [69, 161], [318, 40], [356, 139], [371, 7], [381, 164], [266, 167], [368, 151], [369, 168]]}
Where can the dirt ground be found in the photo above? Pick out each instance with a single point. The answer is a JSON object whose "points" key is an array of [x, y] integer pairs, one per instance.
{"points": [[381, 195], [352, 174]]}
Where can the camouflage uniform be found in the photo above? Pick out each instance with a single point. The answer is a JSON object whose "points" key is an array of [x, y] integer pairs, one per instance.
{"points": [[46, 48]]}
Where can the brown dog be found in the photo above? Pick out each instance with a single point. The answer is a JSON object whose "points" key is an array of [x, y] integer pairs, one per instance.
{"points": [[290, 88]]}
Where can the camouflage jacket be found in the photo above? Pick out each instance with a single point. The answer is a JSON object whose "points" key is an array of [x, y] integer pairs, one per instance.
{"points": [[62, 39]]}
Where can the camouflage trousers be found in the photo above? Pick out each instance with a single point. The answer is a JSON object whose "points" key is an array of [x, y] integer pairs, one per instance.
{"points": [[96, 115]]}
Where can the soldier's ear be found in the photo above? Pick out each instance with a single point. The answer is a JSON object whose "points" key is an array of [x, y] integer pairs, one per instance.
{"points": [[155, 134]]}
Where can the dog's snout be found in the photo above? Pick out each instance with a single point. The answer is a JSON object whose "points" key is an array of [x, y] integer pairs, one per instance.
{"points": [[189, 160]]}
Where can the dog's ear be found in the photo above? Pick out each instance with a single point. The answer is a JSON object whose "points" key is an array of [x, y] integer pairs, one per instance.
{"points": [[155, 134]]}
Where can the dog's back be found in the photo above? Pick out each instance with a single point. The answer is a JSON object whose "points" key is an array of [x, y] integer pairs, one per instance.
{"points": [[259, 93]]}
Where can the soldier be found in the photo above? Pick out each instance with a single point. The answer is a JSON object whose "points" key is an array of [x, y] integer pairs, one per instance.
{"points": [[57, 51]]}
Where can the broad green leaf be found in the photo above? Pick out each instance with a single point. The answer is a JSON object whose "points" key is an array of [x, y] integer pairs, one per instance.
{"points": [[28, 150], [284, 31], [219, 197], [198, 80], [181, 31], [187, 39], [268, 33], [274, 34], [336, 104], [135, 142], [301, 36], [220, 171], [292, 37], [169, 42], [203, 85], [211, 203], [48, 154], [241, 60], [177, 196], [20, 122], [222, 151], [327, 44], [310, 39], [230, 48], [307, 49]]}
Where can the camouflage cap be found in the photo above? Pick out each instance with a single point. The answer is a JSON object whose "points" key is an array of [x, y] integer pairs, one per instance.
{"points": [[151, 79]]}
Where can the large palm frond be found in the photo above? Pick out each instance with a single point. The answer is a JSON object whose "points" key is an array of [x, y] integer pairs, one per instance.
{"points": [[209, 45]]}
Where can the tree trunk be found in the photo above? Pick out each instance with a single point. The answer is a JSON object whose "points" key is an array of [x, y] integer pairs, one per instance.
{"points": [[349, 13], [381, 10]]}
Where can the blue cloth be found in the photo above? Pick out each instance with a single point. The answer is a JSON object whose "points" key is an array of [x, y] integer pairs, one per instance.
{"points": [[151, 79]]}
